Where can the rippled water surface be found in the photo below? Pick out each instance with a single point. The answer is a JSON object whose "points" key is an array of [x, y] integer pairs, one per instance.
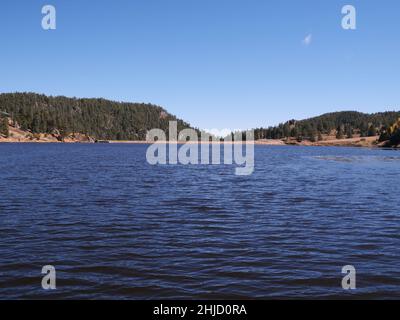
{"points": [[116, 227]]}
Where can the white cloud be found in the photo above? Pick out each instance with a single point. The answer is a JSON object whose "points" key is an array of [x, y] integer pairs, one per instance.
{"points": [[307, 40]]}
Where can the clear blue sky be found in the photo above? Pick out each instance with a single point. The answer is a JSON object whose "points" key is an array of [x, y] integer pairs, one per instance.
{"points": [[215, 63]]}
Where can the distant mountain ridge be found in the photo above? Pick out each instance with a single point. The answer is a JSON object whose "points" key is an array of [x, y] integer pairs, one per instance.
{"points": [[98, 118]]}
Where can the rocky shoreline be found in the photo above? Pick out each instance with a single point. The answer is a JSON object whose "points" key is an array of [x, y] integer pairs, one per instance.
{"points": [[16, 135]]}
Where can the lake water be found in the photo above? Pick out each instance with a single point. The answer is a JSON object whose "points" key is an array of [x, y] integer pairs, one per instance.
{"points": [[115, 227]]}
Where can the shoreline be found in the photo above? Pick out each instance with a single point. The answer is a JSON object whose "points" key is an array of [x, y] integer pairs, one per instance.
{"points": [[17, 135], [368, 142]]}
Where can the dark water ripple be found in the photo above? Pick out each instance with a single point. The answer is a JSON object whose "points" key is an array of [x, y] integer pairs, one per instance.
{"points": [[115, 227]]}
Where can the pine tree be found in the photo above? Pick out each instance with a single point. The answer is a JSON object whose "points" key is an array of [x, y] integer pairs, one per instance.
{"points": [[349, 132], [339, 132], [371, 131], [4, 130]]}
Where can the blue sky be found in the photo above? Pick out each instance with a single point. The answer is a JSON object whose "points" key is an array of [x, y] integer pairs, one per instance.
{"points": [[215, 63]]}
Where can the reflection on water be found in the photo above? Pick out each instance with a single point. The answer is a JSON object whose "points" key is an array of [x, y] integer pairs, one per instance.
{"points": [[116, 227]]}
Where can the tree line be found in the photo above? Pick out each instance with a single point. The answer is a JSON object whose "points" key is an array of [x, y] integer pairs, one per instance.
{"points": [[103, 119], [343, 124], [98, 118]]}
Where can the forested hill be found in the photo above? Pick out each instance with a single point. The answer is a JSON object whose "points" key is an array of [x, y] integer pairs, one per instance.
{"points": [[109, 120], [343, 124], [99, 118]]}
